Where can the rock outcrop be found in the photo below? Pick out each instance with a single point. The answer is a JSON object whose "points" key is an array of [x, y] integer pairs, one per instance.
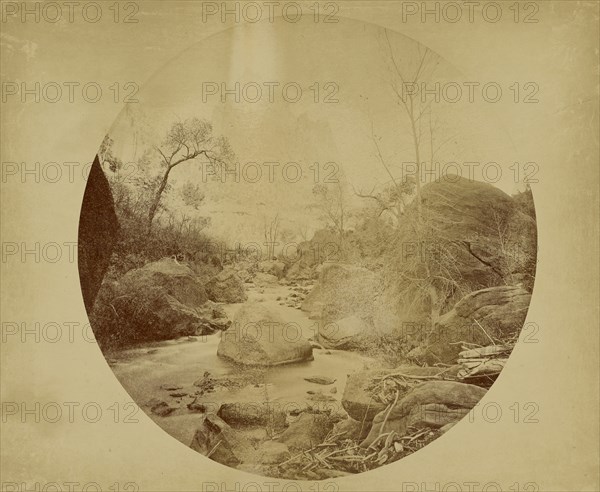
{"points": [[164, 300], [473, 231], [496, 312]]}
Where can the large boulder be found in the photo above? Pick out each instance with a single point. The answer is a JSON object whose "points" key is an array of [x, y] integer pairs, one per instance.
{"points": [[226, 286], [496, 312], [218, 441], [162, 300], [358, 400], [433, 403], [470, 233], [346, 333], [342, 290], [260, 336]]}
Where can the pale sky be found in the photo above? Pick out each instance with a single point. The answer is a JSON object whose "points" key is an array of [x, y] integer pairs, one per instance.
{"points": [[348, 65]]}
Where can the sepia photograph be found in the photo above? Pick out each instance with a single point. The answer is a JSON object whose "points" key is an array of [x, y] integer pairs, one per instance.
{"points": [[300, 251]]}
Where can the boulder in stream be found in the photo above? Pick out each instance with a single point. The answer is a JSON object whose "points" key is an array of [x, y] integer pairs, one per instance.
{"points": [[260, 336]]}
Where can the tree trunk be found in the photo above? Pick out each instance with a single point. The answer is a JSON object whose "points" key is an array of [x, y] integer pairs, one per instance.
{"points": [[156, 201], [418, 163]]}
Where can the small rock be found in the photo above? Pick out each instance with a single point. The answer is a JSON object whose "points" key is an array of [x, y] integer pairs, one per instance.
{"points": [[320, 380], [246, 414], [333, 390], [196, 406], [171, 387], [215, 439], [161, 408]]}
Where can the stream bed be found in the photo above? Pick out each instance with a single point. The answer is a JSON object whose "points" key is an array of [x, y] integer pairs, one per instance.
{"points": [[179, 363]]}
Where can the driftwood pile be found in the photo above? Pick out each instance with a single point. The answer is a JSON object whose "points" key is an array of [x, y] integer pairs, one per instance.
{"points": [[337, 456]]}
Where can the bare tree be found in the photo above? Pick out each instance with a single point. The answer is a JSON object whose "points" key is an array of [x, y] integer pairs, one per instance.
{"points": [[303, 231], [405, 84], [185, 142], [392, 199], [331, 202], [270, 233]]}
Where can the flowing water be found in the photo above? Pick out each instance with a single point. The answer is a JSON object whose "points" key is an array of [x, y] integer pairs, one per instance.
{"points": [[143, 370]]}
